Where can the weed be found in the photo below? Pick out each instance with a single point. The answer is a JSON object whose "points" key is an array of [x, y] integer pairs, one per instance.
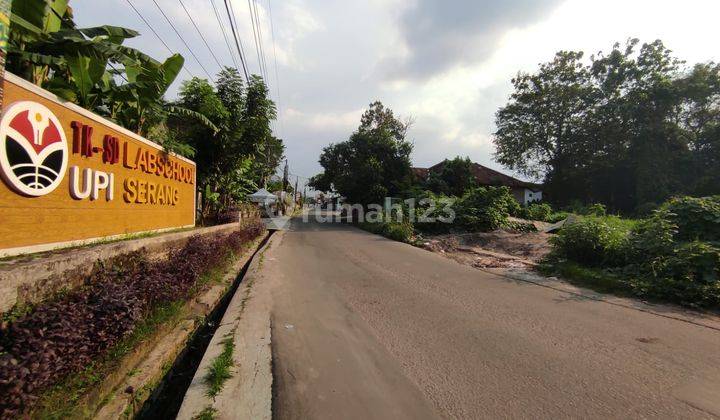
{"points": [[208, 413], [219, 370]]}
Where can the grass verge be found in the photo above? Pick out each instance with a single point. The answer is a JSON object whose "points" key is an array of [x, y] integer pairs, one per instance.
{"points": [[219, 370], [596, 279]]}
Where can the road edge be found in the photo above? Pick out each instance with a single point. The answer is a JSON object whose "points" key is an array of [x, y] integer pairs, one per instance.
{"points": [[248, 393]]}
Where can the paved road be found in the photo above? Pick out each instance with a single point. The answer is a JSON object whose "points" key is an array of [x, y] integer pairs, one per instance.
{"points": [[367, 328]]}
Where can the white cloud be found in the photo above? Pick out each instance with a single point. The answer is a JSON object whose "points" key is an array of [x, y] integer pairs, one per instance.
{"points": [[331, 54]]}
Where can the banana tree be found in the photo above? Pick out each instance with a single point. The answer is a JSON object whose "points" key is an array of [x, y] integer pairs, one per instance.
{"points": [[84, 65]]}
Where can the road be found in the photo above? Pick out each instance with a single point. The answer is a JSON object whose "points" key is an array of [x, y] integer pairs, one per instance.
{"points": [[367, 328]]}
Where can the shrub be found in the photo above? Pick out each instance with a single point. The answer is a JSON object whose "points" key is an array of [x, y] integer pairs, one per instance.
{"points": [[690, 276], [398, 231], [486, 208], [401, 232], [437, 213], [594, 241], [696, 218], [673, 255], [63, 336], [538, 211]]}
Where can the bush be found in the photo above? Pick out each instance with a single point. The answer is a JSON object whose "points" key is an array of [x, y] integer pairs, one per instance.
{"points": [[695, 218], [398, 231], [673, 255], [538, 211], [486, 208], [64, 336], [435, 209], [690, 276], [401, 232], [594, 241]]}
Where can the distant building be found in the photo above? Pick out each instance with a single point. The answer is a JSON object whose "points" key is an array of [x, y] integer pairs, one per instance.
{"points": [[524, 192]]}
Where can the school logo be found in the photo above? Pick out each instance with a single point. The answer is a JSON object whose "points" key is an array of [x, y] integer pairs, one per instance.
{"points": [[33, 149]]}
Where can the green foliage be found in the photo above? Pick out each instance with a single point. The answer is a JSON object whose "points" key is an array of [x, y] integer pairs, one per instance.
{"points": [[455, 177], [695, 218], [485, 208], [535, 211], [233, 160], [84, 65], [401, 232], [435, 209], [372, 164], [207, 413], [632, 126], [219, 370], [594, 241], [673, 255]]}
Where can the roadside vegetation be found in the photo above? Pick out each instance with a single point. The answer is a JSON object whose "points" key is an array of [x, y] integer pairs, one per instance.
{"points": [[673, 255], [119, 305], [219, 370]]}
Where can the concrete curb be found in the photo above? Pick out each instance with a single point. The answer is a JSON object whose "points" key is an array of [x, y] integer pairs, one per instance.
{"points": [[248, 393]]}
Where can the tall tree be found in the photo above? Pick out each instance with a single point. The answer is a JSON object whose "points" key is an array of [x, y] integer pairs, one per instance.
{"points": [[372, 164], [624, 128], [233, 159]]}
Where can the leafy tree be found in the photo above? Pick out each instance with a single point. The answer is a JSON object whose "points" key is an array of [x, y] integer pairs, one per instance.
{"points": [[83, 65], [628, 128], [242, 153], [372, 164], [455, 177]]}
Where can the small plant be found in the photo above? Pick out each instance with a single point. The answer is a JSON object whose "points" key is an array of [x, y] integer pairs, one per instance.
{"points": [[208, 413], [219, 370]]}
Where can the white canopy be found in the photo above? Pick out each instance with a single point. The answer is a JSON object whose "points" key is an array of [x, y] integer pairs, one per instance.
{"points": [[262, 196]]}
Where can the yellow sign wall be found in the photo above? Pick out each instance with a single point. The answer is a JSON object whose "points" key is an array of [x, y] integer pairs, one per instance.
{"points": [[70, 176]]}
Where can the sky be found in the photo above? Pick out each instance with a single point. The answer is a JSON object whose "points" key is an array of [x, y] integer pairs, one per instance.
{"points": [[447, 64]]}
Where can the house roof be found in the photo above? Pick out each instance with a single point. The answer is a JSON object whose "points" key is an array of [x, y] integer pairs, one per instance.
{"points": [[483, 175]]}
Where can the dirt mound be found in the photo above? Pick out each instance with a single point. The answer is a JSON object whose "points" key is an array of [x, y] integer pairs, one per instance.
{"points": [[498, 249]]}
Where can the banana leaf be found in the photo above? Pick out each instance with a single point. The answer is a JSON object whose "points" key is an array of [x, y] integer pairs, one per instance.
{"points": [[184, 112]]}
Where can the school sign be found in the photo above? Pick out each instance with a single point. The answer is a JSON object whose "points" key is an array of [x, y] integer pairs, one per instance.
{"points": [[70, 176]]}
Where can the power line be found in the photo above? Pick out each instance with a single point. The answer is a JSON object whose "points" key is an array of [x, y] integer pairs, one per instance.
{"points": [[156, 34], [222, 28], [255, 37], [201, 35], [277, 77], [260, 38], [183, 40], [238, 41]]}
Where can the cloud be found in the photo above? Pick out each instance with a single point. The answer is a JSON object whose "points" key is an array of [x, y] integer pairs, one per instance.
{"points": [[438, 35]]}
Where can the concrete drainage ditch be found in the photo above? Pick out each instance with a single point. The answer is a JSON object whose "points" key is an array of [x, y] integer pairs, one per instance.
{"points": [[166, 399]]}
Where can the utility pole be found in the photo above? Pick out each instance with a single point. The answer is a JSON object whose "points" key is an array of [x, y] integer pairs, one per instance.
{"points": [[284, 186], [295, 191], [285, 176]]}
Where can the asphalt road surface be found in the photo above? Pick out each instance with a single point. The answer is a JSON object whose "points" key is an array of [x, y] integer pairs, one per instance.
{"points": [[367, 328]]}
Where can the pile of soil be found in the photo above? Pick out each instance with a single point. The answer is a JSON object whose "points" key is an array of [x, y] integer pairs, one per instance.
{"points": [[498, 249]]}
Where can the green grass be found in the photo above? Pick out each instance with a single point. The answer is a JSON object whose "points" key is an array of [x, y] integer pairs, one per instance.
{"points": [[208, 413], [596, 279], [219, 370]]}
